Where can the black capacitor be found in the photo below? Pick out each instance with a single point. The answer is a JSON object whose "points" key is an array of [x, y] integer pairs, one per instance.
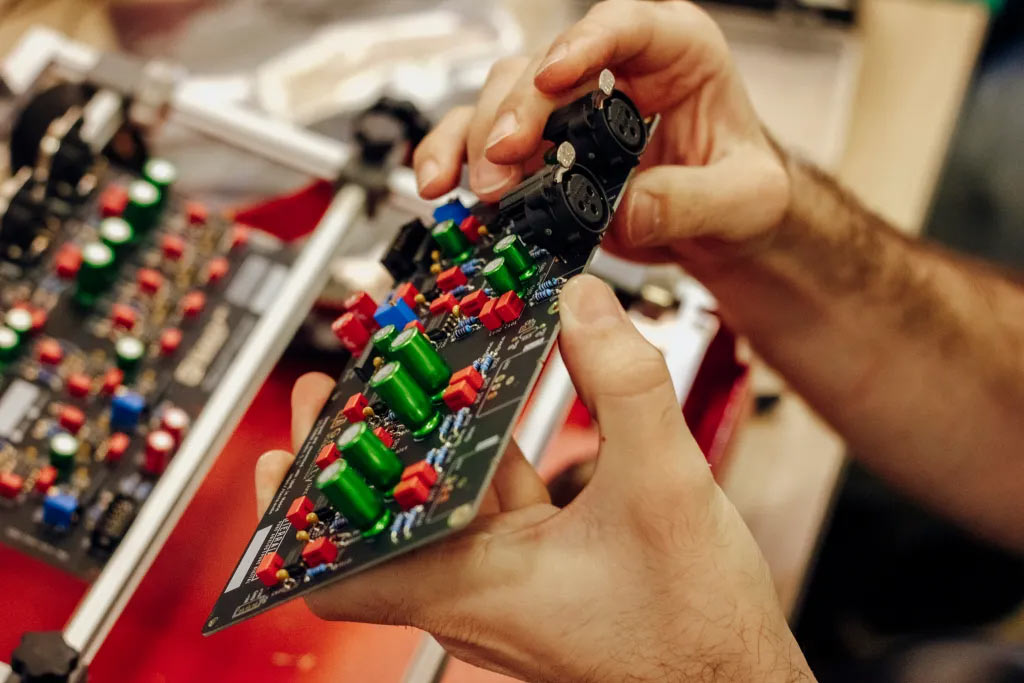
{"points": [[406, 249]]}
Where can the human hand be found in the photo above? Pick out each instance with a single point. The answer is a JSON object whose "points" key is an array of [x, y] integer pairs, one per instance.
{"points": [[711, 184], [648, 573]]}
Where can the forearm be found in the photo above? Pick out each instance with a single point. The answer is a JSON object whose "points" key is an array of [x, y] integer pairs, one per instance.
{"points": [[915, 356]]}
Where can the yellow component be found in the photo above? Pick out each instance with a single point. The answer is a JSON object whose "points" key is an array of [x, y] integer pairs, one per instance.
{"points": [[456, 310], [482, 230], [311, 518], [435, 255], [282, 574], [378, 361], [302, 536], [368, 412], [435, 268], [419, 298]]}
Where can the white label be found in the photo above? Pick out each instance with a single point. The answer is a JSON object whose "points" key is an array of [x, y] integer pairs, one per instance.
{"points": [[15, 404], [250, 554]]}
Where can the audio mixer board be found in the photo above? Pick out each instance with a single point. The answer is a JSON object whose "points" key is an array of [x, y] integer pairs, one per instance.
{"points": [[122, 304], [406, 445]]}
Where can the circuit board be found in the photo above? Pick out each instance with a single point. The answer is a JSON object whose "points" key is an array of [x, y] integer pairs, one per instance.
{"points": [[122, 304], [408, 441]]}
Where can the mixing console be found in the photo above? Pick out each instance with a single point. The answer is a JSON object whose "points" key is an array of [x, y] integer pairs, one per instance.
{"points": [[406, 445], [121, 306]]}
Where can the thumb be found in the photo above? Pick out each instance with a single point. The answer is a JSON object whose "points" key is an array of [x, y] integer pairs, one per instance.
{"points": [[739, 196], [625, 384]]}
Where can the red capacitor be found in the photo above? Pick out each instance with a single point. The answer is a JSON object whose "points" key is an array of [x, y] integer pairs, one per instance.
{"points": [[170, 340], [352, 334], [489, 317], [239, 236], [217, 269], [421, 470], [327, 455], [159, 446], [193, 303], [47, 477], [473, 302], [411, 492], [150, 281], [353, 409], [458, 396], [68, 261], [49, 351], [470, 227], [123, 316], [448, 280], [362, 306], [443, 304], [298, 511], [113, 201], [38, 318], [470, 375], [319, 551], [71, 418], [117, 444], [196, 213], [267, 569], [417, 324], [112, 379], [10, 484], [386, 437], [175, 421], [78, 384], [407, 292], [509, 306], [173, 247]]}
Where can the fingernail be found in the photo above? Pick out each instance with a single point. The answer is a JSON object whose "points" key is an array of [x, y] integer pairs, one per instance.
{"points": [[557, 54], [427, 173], [491, 177], [644, 218], [506, 125], [589, 301]]}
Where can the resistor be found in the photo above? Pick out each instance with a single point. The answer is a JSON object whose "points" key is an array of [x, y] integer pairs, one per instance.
{"points": [[460, 419], [460, 291], [337, 524], [441, 458], [410, 519], [446, 426], [465, 328], [470, 269], [314, 572], [551, 283], [486, 363], [539, 253], [542, 295], [396, 526], [476, 365]]}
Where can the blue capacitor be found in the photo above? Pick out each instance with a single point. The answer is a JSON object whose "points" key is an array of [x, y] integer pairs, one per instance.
{"points": [[453, 210], [126, 410], [59, 510], [398, 314]]}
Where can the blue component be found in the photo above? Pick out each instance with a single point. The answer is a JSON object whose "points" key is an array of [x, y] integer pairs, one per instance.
{"points": [[126, 411], [396, 525], [316, 571], [460, 419], [446, 426], [470, 269], [476, 365], [409, 519], [442, 456], [453, 210], [59, 510], [460, 291], [398, 314], [487, 363]]}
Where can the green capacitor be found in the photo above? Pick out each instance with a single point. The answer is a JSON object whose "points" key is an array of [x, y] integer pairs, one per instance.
{"points": [[368, 454], [348, 493], [129, 352], [63, 448], [9, 344], [453, 243], [143, 209], [96, 272], [418, 355], [382, 339], [403, 395], [19, 320], [162, 174], [499, 277], [117, 234], [517, 256]]}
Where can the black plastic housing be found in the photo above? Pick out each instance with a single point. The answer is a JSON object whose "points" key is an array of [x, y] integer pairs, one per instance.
{"points": [[607, 132], [406, 249]]}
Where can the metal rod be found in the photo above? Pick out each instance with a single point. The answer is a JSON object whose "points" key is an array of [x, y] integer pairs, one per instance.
{"points": [[110, 593]]}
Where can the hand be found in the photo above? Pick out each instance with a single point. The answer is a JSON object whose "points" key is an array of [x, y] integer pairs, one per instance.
{"points": [[711, 180], [648, 573]]}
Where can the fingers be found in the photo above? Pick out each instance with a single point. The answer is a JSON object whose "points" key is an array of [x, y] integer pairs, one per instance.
{"points": [[270, 471], [624, 382], [739, 196], [309, 394], [438, 158], [634, 39]]}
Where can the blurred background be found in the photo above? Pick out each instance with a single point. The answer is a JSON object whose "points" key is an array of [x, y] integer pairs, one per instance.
{"points": [[915, 104]]}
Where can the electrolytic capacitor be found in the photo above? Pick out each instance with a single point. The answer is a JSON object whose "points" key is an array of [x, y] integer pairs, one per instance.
{"points": [[405, 398], [376, 462], [349, 494], [422, 360], [517, 256]]}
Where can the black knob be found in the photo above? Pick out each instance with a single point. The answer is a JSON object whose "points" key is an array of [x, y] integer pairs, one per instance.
{"points": [[44, 657]]}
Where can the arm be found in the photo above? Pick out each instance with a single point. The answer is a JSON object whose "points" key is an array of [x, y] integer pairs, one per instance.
{"points": [[915, 355]]}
